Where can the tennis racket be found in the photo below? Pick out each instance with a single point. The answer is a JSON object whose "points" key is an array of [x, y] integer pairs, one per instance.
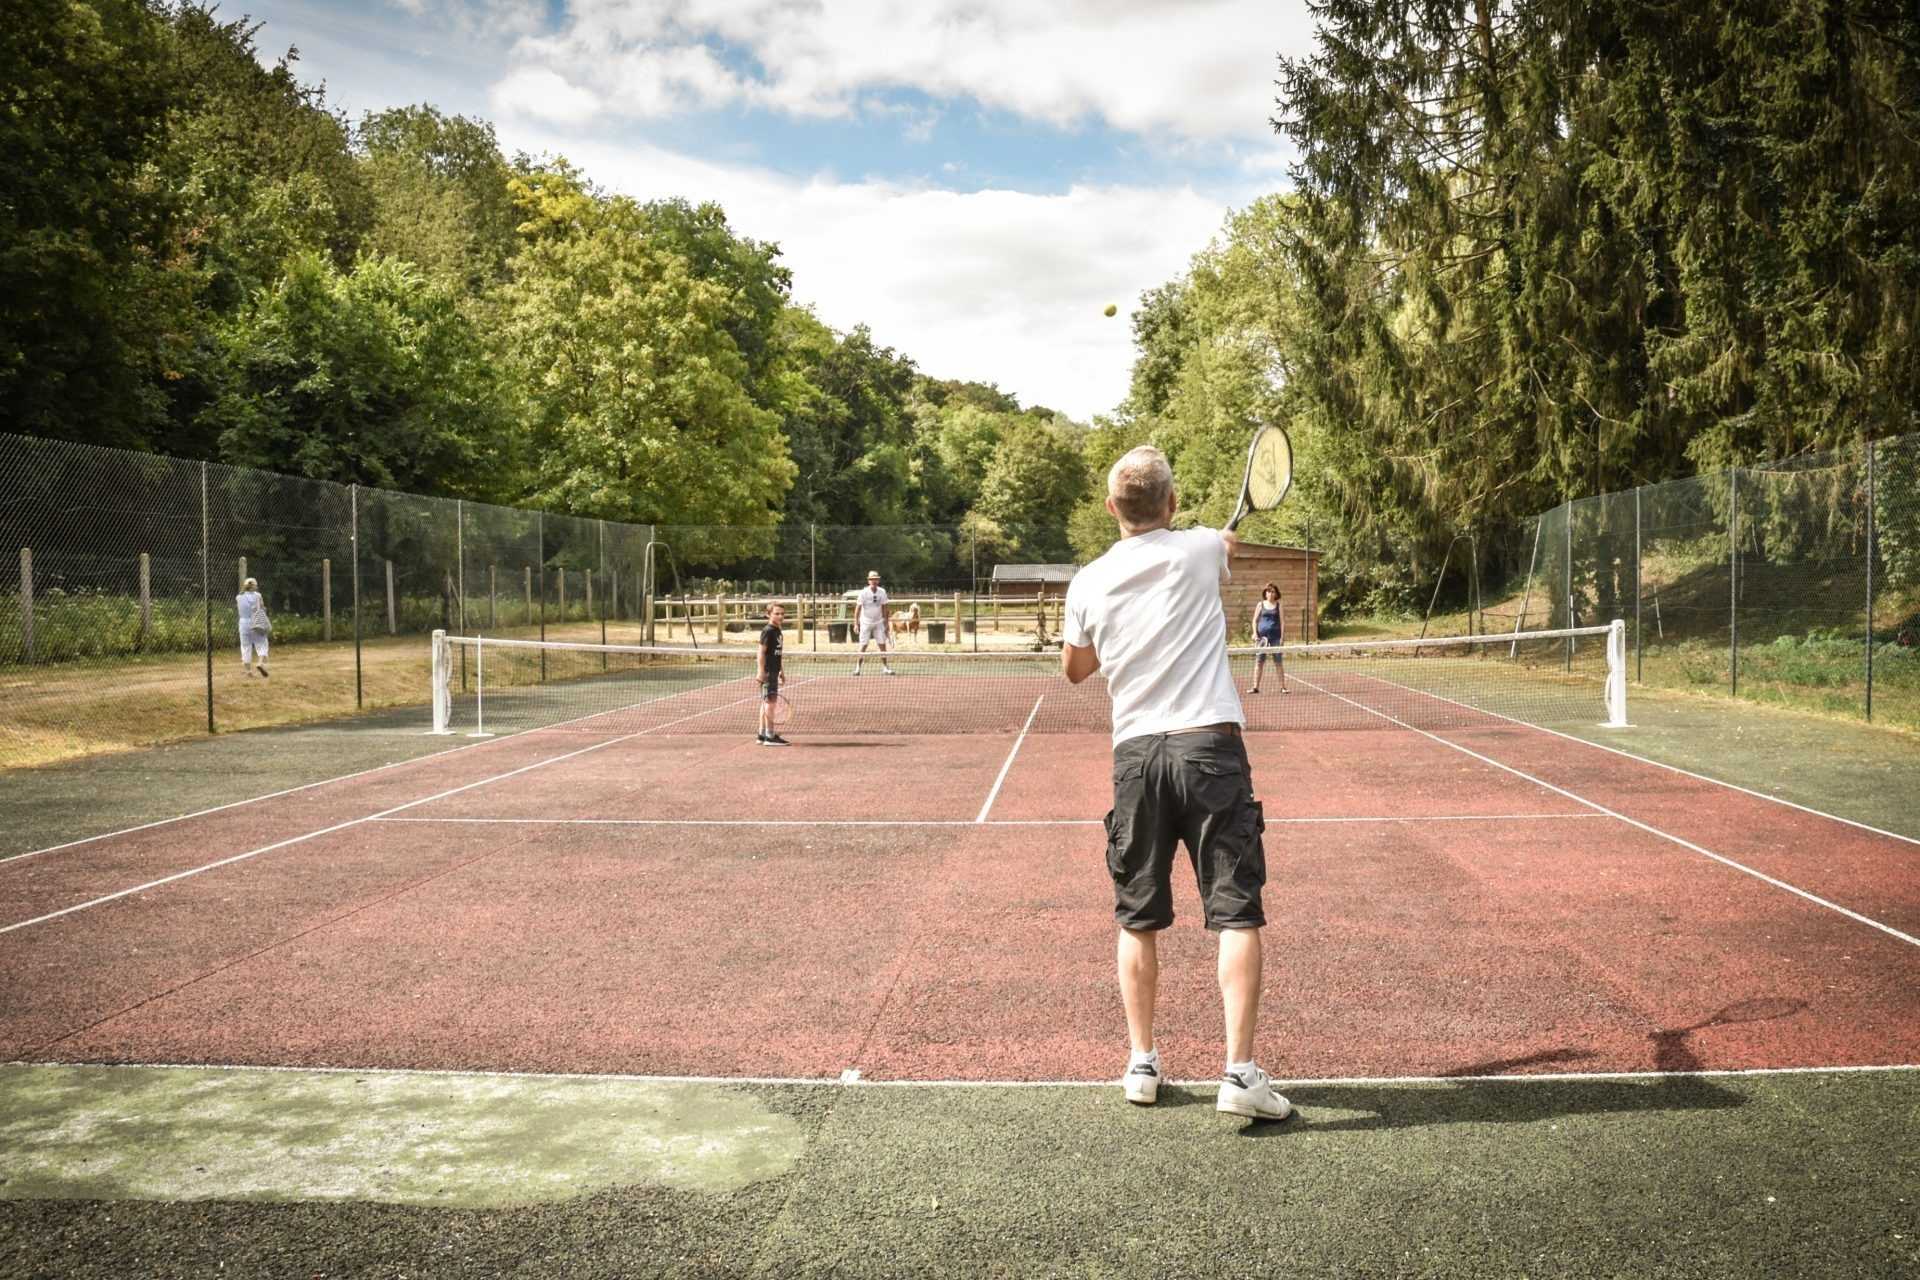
{"points": [[779, 711], [1269, 473]]}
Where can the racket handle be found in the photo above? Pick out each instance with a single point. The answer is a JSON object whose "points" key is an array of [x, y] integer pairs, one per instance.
{"points": [[1239, 514]]}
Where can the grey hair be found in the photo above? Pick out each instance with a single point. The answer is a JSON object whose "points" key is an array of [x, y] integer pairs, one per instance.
{"points": [[1141, 484]]}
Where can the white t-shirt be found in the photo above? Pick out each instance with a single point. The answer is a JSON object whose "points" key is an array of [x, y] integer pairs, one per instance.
{"points": [[246, 604], [872, 604], [1150, 608]]}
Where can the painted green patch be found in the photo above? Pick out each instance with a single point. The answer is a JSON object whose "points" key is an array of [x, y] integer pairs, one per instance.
{"points": [[133, 1133]]}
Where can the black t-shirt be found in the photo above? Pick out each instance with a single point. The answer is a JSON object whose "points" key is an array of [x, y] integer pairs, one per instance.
{"points": [[770, 642]]}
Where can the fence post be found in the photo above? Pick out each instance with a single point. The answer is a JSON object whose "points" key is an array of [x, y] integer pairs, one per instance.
{"points": [[1733, 580], [26, 604], [353, 509], [1639, 637], [240, 583], [392, 621], [813, 585], [326, 599], [1571, 621], [973, 591], [146, 598], [563, 593], [493, 585], [1870, 540], [460, 564], [206, 591], [541, 520]]}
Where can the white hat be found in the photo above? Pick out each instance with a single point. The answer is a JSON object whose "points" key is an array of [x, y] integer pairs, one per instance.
{"points": [[873, 573]]}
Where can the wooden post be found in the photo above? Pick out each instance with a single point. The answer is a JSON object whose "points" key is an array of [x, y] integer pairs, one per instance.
{"points": [[26, 604], [240, 583], [326, 599], [563, 594], [392, 622], [719, 619], [527, 573], [493, 587], [146, 598], [956, 617]]}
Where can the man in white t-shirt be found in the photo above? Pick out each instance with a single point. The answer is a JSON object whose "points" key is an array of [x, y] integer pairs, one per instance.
{"points": [[870, 615], [1148, 614]]}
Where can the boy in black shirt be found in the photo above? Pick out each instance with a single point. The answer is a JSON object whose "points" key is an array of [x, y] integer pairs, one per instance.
{"points": [[768, 674]]}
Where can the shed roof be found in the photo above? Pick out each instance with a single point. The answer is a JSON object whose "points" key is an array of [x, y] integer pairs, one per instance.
{"points": [[1034, 572]]}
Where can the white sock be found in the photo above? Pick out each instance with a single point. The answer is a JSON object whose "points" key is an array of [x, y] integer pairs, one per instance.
{"points": [[1244, 1070], [1151, 1057]]}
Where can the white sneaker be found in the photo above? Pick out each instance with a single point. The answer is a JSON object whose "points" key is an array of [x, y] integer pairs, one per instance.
{"points": [[1142, 1083], [1243, 1094]]}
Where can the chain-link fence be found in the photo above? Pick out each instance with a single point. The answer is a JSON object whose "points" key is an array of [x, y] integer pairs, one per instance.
{"points": [[1796, 583], [119, 623]]}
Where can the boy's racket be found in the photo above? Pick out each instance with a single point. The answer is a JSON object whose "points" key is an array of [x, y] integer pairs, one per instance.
{"points": [[1269, 473], [779, 711]]}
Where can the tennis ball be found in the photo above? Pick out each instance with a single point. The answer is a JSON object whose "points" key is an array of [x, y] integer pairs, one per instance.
{"points": [[1111, 309]]}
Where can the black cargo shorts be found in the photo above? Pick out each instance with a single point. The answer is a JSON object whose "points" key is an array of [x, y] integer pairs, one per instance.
{"points": [[1191, 787]]}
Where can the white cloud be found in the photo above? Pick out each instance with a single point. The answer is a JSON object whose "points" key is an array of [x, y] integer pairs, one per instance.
{"points": [[1200, 69], [999, 286], [544, 95]]}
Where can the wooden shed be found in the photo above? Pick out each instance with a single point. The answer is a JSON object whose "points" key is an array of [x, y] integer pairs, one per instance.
{"points": [[1295, 570]]}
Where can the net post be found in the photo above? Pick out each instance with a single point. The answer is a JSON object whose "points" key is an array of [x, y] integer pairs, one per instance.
{"points": [[441, 699], [1617, 674]]}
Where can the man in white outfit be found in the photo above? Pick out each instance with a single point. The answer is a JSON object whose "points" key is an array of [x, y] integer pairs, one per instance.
{"points": [[1148, 614], [870, 614]]}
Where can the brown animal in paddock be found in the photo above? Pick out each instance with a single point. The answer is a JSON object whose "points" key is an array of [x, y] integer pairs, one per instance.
{"points": [[906, 623]]}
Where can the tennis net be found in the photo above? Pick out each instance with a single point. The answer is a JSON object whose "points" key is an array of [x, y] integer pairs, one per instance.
{"points": [[481, 685]]}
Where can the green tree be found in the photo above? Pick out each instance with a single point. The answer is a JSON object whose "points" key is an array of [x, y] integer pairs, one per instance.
{"points": [[440, 198], [91, 315], [633, 389], [1031, 486], [373, 376]]}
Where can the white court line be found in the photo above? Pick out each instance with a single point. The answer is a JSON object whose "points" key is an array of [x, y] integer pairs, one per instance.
{"points": [[963, 822], [852, 1079], [997, 782], [345, 777], [1658, 764], [1701, 777], [1633, 822], [354, 822], [763, 822]]}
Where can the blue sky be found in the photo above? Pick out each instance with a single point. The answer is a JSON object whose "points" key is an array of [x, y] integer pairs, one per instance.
{"points": [[974, 179]]}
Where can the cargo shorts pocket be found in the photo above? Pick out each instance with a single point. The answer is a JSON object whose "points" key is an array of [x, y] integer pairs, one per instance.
{"points": [[1129, 779]]}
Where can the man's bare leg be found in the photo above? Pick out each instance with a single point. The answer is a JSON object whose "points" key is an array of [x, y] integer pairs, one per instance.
{"points": [[1240, 958], [1139, 955]]}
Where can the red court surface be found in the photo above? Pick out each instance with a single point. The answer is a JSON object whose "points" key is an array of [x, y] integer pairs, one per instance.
{"points": [[1481, 901]]}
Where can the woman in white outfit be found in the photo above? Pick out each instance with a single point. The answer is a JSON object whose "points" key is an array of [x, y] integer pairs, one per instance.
{"points": [[254, 627]]}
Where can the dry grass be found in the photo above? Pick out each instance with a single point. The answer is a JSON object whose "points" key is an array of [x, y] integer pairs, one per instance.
{"points": [[66, 710]]}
